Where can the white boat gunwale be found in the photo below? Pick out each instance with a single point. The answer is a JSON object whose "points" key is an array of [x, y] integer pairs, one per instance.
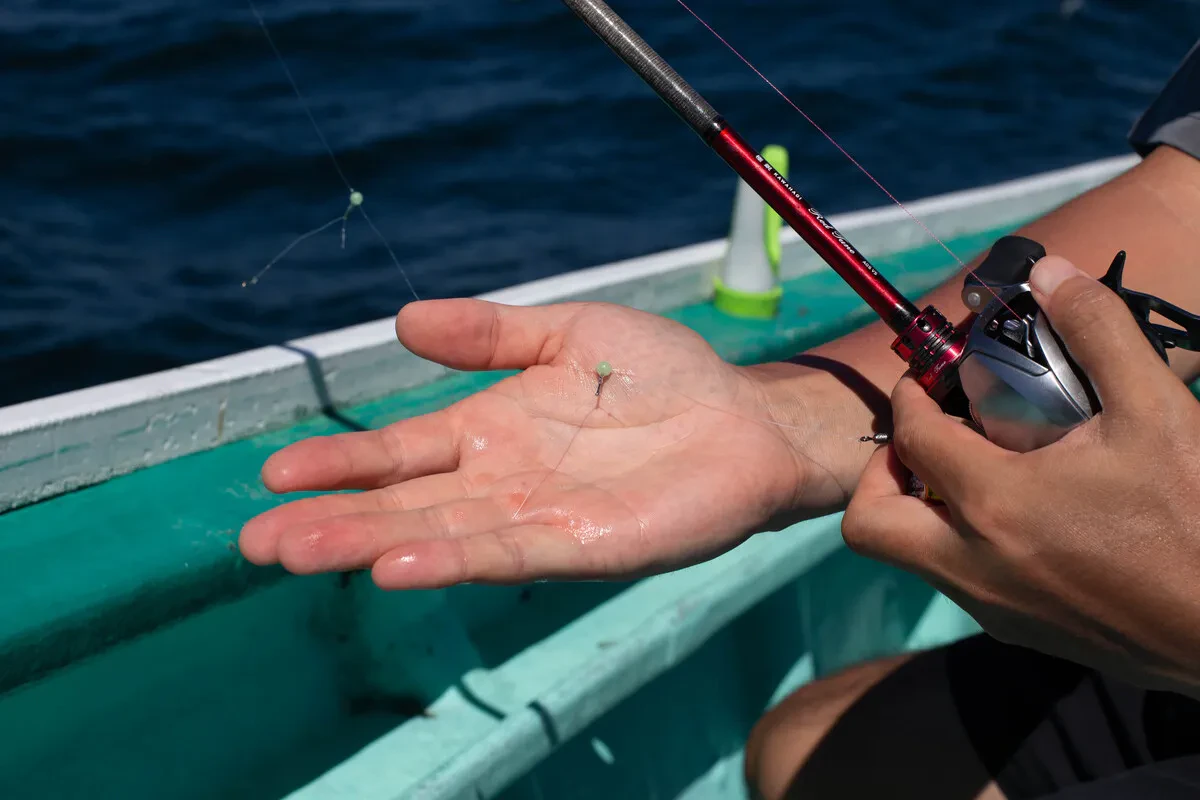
{"points": [[68, 441]]}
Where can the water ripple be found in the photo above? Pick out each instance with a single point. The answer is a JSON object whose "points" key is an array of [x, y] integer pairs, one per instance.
{"points": [[152, 156]]}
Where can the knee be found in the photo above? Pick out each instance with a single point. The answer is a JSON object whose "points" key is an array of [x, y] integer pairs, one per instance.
{"points": [[774, 753], [784, 738]]}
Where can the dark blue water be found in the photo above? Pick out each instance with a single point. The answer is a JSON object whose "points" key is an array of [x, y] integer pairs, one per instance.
{"points": [[152, 156]]}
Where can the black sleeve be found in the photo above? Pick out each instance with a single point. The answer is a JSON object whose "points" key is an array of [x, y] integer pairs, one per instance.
{"points": [[1174, 116]]}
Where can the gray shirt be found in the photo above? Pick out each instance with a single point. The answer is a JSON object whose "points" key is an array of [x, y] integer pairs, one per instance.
{"points": [[1174, 116]]}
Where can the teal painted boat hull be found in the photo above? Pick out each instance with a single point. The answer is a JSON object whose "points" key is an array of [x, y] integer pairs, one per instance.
{"points": [[168, 666], [142, 657], [263, 696]]}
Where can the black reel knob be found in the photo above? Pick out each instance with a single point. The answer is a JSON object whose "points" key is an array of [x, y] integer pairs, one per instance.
{"points": [[1008, 266], [1010, 261]]}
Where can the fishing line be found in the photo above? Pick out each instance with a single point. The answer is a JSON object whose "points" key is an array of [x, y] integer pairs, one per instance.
{"points": [[810, 428], [606, 373], [561, 459], [604, 370], [291, 246], [820, 130], [356, 197], [844, 152]]}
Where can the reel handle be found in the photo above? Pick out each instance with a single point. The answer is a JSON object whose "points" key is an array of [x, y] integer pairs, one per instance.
{"points": [[1021, 387]]}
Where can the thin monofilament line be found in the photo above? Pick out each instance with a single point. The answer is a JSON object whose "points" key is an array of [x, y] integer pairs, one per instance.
{"points": [[821, 130], [302, 237], [388, 247], [561, 459], [844, 152], [262, 24]]}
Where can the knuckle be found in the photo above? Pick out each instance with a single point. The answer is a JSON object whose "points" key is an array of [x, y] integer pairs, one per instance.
{"points": [[462, 561], [910, 441], [342, 452], [987, 512], [494, 336], [391, 499], [435, 523], [1150, 417], [1172, 409], [858, 530], [1090, 306], [516, 554], [393, 448]]}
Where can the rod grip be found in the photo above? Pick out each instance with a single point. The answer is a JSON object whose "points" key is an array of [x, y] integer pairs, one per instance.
{"points": [[649, 65]]}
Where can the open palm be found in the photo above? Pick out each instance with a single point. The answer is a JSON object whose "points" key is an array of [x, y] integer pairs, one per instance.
{"points": [[675, 461]]}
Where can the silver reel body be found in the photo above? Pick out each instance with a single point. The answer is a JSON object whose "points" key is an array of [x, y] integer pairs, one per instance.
{"points": [[1024, 389]]}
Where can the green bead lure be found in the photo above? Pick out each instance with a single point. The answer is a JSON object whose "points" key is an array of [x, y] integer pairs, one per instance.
{"points": [[603, 370]]}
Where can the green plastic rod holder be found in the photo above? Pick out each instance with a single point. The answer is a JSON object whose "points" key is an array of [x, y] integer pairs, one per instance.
{"points": [[748, 284]]}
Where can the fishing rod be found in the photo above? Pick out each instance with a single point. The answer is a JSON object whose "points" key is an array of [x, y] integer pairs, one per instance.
{"points": [[926, 339], [1003, 366]]}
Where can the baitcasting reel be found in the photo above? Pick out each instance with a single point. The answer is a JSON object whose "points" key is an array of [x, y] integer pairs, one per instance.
{"points": [[1024, 389]]}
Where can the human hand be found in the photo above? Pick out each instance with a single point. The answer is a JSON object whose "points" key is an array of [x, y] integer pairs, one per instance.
{"points": [[677, 460], [1087, 549]]}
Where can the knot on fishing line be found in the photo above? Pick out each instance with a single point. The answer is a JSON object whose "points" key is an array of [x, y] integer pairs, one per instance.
{"points": [[356, 197]]}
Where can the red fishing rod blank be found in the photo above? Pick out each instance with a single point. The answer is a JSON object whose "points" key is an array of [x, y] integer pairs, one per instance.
{"points": [[925, 339]]}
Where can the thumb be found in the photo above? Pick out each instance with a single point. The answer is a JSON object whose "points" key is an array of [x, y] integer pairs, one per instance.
{"points": [[1098, 330], [470, 334]]}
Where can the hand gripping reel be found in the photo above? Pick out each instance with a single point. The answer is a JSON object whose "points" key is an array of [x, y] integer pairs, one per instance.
{"points": [[1024, 389]]}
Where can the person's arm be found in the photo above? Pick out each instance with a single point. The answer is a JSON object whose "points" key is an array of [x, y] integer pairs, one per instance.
{"points": [[1085, 549], [1152, 211], [540, 476]]}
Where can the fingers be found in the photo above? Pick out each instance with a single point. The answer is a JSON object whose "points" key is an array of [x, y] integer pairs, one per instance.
{"points": [[458, 542], [882, 522], [259, 540], [357, 541], [955, 461], [477, 335], [1099, 331], [367, 459], [514, 555]]}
